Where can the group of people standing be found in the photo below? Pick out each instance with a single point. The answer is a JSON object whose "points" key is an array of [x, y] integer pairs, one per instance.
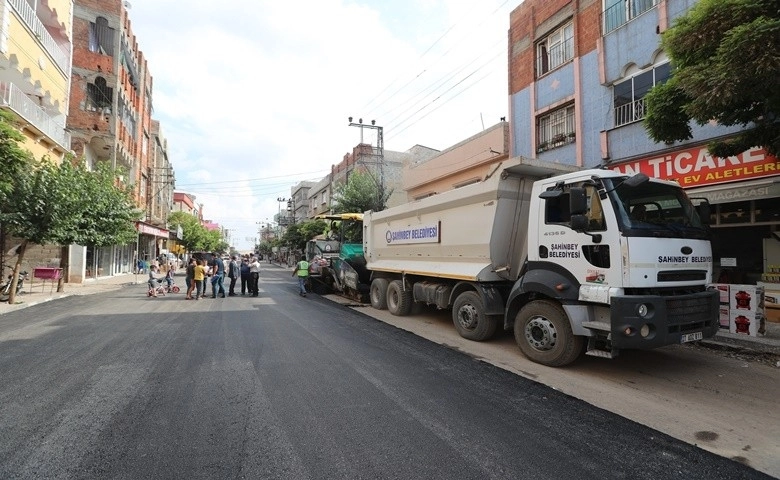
{"points": [[248, 271]]}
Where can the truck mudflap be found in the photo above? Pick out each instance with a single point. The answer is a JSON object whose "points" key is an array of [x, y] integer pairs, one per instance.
{"points": [[645, 321]]}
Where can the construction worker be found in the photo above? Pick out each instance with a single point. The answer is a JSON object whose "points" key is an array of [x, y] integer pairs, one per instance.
{"points": [[302, 271]]}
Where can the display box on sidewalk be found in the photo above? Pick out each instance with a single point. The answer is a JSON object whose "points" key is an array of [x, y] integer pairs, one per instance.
{"points": [[723, 290], [745, 323], [746, 310], [725, 316], [745, 297]]}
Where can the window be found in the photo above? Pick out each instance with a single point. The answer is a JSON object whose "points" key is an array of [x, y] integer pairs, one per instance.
{"points": [[101, 37], [555, 50], [99, 95], [619, 12], [556, 210], [555, 129], [629, 94]]}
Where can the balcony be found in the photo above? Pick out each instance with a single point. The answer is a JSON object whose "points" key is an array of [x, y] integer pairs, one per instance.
{"points": [[27, 14], [14, 99], [630, 112], [623, 11]]}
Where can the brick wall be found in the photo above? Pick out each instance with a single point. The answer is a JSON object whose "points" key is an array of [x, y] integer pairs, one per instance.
{"points": [[533, 19]]}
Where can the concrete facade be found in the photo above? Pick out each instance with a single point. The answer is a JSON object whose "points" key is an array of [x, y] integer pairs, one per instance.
{"points": [[578, 73], [462, 164], [35, 66]]}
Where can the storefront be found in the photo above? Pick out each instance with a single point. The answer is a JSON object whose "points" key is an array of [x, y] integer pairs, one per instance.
{"points": [[744, 191], [106, 261], [151, 241]]}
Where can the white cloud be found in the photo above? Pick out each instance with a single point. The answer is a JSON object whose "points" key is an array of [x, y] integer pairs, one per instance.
{"points": [[254, 95]]}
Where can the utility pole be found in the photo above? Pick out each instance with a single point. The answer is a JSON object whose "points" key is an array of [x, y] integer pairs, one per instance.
{"points": [[378, 153]]}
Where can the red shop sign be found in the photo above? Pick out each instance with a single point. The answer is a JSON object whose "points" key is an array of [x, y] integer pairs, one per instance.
{"points": [[695, 167]]}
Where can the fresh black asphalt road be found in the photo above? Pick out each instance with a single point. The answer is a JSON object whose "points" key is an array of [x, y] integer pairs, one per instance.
{"points": [[124, 386]]}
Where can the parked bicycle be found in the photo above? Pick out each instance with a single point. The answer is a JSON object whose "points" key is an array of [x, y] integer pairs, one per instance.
{"points": [[5, 289]]}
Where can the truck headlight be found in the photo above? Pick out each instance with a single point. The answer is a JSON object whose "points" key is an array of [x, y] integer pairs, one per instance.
{"points": [[642, 310]]}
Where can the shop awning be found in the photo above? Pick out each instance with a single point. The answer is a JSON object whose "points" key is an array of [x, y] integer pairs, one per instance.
{"points": [[147, 229], [738, 192]]}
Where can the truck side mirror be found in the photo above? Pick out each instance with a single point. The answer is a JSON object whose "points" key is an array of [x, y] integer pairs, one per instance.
{"points": [[579, 223], [578, 203]]}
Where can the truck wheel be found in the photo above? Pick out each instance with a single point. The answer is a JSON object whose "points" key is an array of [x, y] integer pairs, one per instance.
{"points": [[378, 293], [468, 315], [543, 333], [399, 302]]}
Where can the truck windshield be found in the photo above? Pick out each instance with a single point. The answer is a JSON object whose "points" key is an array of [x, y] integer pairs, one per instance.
{"points": [[655, 210]]}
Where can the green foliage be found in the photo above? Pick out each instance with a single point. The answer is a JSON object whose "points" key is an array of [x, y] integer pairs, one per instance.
{"points": [[265, 247], [361, 193], [299, 234], [13, 158], [196, 237], [106, 212], [67, 204], [726, 57]]}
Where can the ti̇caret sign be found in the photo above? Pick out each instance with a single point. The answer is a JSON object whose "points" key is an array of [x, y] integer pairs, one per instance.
{"points": [[696, 167]]}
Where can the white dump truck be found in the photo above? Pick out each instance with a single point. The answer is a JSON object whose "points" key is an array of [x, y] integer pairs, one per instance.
{"points": [[587, 260]]}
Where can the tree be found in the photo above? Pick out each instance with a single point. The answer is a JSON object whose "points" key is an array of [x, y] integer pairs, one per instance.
{"points": [[13, 158], [359, 194], [63, 204], [99, 211], [196, 237], [726, 59], [299, 234]]}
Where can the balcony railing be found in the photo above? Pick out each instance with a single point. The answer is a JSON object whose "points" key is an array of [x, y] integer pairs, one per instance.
{"points": [[27, 14], [13, 98], [630, 112], [625, 11]]}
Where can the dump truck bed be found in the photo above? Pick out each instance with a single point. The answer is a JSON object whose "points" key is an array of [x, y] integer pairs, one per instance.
{"points": [[474, 233]]}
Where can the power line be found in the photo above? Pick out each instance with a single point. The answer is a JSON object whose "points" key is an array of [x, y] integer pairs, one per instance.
{"points": [[323, 172]]}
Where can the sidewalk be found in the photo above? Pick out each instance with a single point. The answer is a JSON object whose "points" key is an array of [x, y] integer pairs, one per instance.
{"points": [[38, 292], [769, 343]]}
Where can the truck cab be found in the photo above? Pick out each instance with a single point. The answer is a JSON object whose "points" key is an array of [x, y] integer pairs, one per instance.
{"points": [[628, 258]]}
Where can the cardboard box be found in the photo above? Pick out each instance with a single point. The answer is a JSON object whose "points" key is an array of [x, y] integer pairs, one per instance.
{"points": [[744, 322], [745, 297], [723, 289], [771, 298], [772, 314], [725, 316]]}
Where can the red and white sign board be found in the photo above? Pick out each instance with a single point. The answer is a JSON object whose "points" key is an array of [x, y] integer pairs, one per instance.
{"points": [[696, 167]]}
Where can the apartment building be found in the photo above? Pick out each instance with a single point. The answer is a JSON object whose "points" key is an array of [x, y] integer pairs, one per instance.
{"points": [[35, 67], [578, 74], [110, 120], [431, 172]]}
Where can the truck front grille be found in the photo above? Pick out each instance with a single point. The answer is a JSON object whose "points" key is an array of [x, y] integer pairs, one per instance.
{"points": [[688, 314], [681, 275]]}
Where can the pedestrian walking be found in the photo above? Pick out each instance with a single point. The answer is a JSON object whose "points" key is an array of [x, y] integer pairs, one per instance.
{"points": [[199, 277], [234, 272], [218, 277], [245, 277], [302, 271], [190, 278], [254, 273]]}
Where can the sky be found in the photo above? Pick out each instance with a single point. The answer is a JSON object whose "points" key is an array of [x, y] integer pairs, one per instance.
{"points": [[254, 96]]}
